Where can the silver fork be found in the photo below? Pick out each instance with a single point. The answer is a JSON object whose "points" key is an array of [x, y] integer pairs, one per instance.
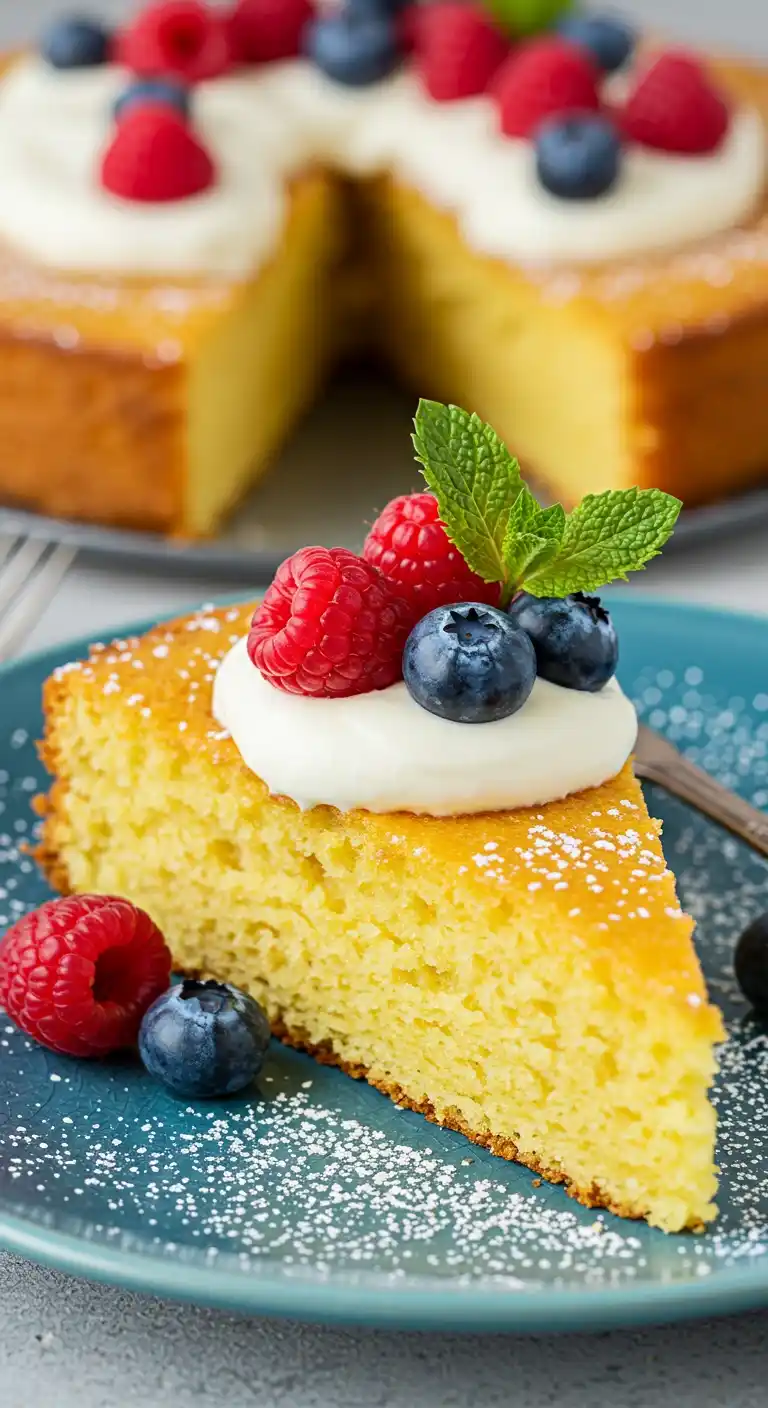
{"points": [[658, 760], [31, 571]]}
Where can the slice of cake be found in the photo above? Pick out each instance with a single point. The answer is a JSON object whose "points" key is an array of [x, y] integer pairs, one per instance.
{"points": [[192, 236], [447, 883]]}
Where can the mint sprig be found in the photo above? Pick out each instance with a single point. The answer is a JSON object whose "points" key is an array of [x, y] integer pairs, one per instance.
{"points": [[474, 479], [503, 533], [522, 17], [533, 535]]}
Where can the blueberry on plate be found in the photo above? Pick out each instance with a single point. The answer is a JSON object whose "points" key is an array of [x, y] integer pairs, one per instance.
{"points": [[751, 963], [355, 47], [204, 1039], [469, 663], [609, 40], [75, 42], [154, 90], [578, 156], [574, 638]]}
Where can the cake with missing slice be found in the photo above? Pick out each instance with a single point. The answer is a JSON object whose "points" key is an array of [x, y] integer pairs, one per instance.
{"points": [[203, 213], [397, 806]]}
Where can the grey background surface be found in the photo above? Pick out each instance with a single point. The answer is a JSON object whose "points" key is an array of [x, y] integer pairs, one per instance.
{"points": [[72, 1345]]}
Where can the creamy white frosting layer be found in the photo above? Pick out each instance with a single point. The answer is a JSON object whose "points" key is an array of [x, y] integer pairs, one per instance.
{"points": [[264, 125], [381, 752]]}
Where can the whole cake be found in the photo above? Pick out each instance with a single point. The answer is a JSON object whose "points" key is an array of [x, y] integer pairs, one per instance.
{"points": [[527, 212], [396, 805]]}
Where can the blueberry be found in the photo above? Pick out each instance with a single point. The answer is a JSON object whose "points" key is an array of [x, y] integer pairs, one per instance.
{"points": [[204, 1039], [751, 963], [578, 157], [75, 42], [609, 40], [574, 638], [469, 663], [381, 8], [356, 47], [154, 90]]}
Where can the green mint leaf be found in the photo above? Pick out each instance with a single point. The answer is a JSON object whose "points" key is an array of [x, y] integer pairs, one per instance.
{"points": [[606, 537], [523, 17], [532, 537], [474, 479]]}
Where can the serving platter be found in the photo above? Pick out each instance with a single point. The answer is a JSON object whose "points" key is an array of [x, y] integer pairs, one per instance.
{"points": [[313, 1196]]}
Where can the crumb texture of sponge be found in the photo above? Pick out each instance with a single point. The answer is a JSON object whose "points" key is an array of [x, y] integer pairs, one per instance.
{"points": [[525, 977]]}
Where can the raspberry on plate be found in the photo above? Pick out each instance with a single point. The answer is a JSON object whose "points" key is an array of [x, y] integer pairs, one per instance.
{"points": [[676, 108], [262, 31], [539, 79], [181, 37], [329, 625], [78, 974], [411, 548], [458, 50], [154, 157]]}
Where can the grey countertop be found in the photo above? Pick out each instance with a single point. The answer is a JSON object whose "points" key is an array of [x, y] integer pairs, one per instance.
{"points": [[73, 1345], [66, 1344]]}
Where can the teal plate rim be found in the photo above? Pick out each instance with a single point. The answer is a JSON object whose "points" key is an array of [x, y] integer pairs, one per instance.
{"points": [[367, 1300], [464, 1310]]}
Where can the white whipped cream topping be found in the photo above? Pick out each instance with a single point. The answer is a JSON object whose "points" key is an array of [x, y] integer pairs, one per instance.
{"points": [[381, 752], [264, 125]]}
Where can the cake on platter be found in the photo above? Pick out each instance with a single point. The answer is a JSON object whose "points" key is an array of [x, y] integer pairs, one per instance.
{"points": [[395, 806], [528, 211]]}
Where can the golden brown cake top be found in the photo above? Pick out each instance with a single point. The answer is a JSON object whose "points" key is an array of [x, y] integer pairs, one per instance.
{"points": [[592, 862]]}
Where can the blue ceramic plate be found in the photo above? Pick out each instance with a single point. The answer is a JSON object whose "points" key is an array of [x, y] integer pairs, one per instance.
{"points": [[315, 1197]]}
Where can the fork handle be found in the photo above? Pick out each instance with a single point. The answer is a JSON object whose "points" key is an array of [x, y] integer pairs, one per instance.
{"points": [[691, 784]]}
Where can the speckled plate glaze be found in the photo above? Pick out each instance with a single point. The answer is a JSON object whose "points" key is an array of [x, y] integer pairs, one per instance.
{"points": [[313, 1196]]}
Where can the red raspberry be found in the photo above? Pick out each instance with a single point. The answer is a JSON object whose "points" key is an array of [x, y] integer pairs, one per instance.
{"points": [[329, 625], [411, 548], [408, 23], [458, 50], [542, 78], [154, 157], [181, 37], [78, 974], [675, 108], [262, 31]]}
